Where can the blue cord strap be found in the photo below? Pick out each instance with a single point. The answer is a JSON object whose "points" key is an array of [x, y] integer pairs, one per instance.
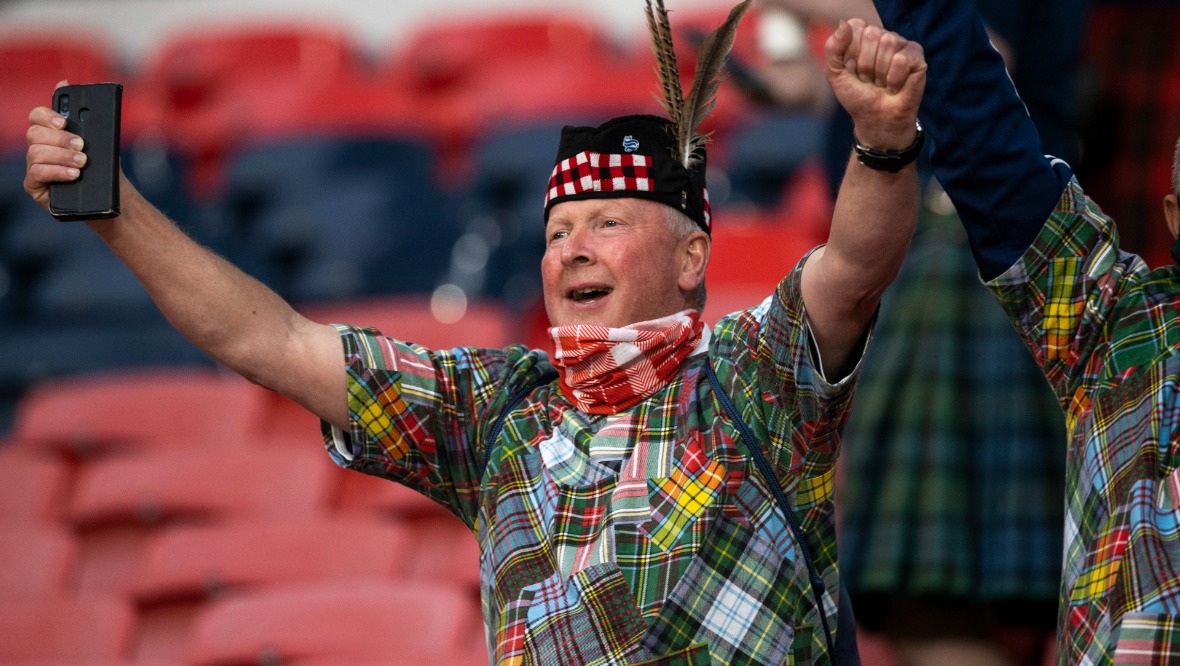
{"points": [[547, 376], [768, 475]]}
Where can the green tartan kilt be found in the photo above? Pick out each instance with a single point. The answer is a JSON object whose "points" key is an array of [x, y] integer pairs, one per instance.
{"points": [[952, 477]]}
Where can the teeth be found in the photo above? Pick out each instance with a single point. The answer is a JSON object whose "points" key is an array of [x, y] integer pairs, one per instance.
{"points": [[589, 292]]}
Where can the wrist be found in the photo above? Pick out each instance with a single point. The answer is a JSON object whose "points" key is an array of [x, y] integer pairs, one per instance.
{"points": [[885, 156], [885, 136]]}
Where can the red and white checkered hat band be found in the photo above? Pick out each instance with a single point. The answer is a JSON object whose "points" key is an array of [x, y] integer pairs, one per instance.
{"points": [[597, 172]]}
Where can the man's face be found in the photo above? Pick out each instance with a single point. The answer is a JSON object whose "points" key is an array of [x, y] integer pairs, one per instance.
{"points": [[611, 262]]}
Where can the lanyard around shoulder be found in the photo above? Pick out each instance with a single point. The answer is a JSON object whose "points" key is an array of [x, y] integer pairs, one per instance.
{"points": [[771, 480]]}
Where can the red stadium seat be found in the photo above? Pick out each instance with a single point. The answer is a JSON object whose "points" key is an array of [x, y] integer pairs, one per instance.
{"points": [[120, 502], [446, 552], [473, 73], [358, 622], [202, 484], [65, 630], [753, 250], [36, 561], [588, 90], [371, 495], [32, 62], [208, 87], [197, 66], [184, 568], [287, 423], [119, 411], [756, 249], [34, 488], [206, 561], [453, 52]]}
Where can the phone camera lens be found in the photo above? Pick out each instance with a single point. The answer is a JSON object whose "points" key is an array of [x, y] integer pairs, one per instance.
{"points": [[64, 106]]}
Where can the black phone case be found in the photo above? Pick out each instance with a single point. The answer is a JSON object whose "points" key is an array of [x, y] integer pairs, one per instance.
{"points": [[92, 111]]}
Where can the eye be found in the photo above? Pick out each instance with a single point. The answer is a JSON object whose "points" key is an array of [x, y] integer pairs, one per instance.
{"points": [[558, 235], [610, 223]]}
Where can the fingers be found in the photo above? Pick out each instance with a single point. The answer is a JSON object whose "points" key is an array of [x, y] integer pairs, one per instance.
{"points": [[903, 67], [872, 54], [879, 78], [836, 47], [43, 116], [867, 53], [49, 143], [54, 155], [843, 47]]}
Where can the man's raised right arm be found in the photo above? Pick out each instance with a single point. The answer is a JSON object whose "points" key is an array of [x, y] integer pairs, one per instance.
{"points": [[231, 316]]}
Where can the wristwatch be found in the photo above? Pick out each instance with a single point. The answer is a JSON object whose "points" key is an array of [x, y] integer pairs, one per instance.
{"points": [[890, 160]]}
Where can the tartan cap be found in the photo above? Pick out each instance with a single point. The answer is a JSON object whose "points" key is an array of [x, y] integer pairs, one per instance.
{"points": [[629, 156]]}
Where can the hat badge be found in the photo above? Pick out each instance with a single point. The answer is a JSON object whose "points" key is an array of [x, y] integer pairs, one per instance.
{"points": [[630, 144]]}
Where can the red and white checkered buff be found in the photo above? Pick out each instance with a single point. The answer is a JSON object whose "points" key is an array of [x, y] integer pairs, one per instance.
{"points": [[597, 172], [606, 370]]}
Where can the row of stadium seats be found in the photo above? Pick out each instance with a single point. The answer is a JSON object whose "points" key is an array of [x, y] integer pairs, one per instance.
{"points": [[209, 88], [190, 517]]}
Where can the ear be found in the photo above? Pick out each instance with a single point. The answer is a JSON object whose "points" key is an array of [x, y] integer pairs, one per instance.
{"points": [[1172, 214], [694, 260]]}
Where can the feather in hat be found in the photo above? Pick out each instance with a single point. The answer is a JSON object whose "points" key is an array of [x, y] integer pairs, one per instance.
{"points": [[686, 113]]}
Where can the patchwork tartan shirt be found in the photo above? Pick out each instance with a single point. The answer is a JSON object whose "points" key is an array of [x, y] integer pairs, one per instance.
{"points": [[644, 536], [1106, 332]]}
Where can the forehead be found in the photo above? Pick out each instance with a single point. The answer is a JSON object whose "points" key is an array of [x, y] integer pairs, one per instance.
{"points": [[627, 207]]}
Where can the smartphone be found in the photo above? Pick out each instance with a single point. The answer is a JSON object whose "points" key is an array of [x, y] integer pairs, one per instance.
{"points": [[93, 112]]}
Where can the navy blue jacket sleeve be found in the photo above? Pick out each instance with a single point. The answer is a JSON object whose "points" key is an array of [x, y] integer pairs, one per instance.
{"points": [[984, 148]]}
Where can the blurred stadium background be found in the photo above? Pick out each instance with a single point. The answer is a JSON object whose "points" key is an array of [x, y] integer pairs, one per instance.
{"points": [[382, 164]]}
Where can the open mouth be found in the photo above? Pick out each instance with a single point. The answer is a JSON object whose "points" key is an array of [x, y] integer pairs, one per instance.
{"points": [[588, 294]]}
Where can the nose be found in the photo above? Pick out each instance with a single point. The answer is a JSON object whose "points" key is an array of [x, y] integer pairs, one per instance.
{"points": [[577, 248]]}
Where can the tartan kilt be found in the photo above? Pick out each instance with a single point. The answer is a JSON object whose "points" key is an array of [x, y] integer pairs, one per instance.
{"points": [[954, 454]]}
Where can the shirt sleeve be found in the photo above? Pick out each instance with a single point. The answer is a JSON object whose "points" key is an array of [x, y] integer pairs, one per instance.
{"points": [[984, 148], [1069, 291], [766, 362], [416, 414]]}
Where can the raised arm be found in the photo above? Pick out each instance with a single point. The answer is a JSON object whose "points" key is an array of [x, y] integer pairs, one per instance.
{"points": [[878, 78], [228, 314], [984, 147]]}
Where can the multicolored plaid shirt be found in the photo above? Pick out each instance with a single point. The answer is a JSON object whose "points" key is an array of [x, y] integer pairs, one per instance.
{"points": [[1106, 331], [644, 536]]}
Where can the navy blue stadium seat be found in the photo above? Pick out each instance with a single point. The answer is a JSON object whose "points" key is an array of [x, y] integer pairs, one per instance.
{"points": [[85, 282], [162, 176], [34, 352], [28, 237], [511, 170], [763, 154], [319, 218]]}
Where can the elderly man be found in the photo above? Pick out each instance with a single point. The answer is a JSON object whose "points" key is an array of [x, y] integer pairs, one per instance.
{"points": [[619, 514]]}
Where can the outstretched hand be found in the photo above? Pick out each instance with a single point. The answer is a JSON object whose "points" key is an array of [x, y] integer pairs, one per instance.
{"points": [[878, 77]]}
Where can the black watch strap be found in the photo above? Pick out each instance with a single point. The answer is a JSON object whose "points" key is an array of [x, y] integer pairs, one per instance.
{"points": [[890, 160]]}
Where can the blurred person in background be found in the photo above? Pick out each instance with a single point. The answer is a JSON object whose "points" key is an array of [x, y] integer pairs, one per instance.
{"points": [[620, 516]]}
